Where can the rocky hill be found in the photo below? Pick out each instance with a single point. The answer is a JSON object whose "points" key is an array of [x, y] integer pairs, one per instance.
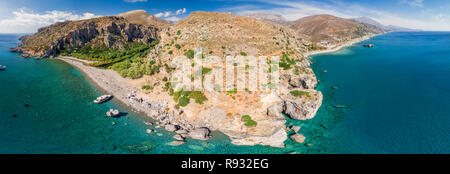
{"points": [[332, 29], [111, 32], [223, 34]]}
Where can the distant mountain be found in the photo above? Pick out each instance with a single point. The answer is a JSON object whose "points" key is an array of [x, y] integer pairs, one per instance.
{"points": [[389, 28], [332, 29], [268, 17], [368, 20]]}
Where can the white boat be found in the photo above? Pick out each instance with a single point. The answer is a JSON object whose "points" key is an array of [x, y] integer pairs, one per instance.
{"points": [[102, 98], [112, 113], [2, 67]]}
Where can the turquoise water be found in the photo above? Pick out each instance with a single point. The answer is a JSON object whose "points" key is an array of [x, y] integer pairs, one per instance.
{"points": [[397, 97]]}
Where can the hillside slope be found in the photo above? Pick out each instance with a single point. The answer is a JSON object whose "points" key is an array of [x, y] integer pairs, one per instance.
{"points": [[332, 29], [224, 34]]}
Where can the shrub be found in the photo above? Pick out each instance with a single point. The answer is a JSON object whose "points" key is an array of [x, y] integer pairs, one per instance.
{"points": [[183, 97], [248, 121], [147, 87], [177, 46], [243, 54], [189, 54], [298, 93]]}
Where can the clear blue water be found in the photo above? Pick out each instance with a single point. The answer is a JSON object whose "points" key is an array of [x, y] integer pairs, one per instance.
{"points": [[397, 94]]}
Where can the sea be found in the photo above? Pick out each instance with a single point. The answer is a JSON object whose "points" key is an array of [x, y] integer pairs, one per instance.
{"points": [[392, 98]]}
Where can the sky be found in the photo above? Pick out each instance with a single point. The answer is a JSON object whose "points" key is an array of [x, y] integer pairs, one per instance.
{"points": [[26, 16]]}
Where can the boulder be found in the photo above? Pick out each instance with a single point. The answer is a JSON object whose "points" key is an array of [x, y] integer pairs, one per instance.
{"points": [[199, 133], [299, 138], [295, 128], [171, 127], [178, 137], [149, 131], [176, 143], [181, 131], [303, 109]]}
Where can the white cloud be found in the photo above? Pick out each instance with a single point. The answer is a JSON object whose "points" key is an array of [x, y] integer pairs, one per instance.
{"points": [[133, 1], [171, 16], [180, 11], [163, 14], [28, 22], [415, 3]]}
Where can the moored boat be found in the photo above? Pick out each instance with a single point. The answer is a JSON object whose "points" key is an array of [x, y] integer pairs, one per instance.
{"points": [[368, 45], [113, 113], [2, 67], [102, 98]]}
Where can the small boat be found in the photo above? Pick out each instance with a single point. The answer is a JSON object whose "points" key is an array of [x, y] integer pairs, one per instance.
{"points": [[113, 113], [2, 67], [102, 98], [368, 45]]}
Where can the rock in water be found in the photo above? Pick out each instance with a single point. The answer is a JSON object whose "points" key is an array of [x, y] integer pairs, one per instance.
{"points": [[199, 134], [178, 137], [148, 131], [299, 138], [295, 128], [176, 143], [171, 127]]}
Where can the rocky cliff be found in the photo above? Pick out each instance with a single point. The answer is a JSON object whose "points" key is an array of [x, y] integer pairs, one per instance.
{"points": [[111, 31]]}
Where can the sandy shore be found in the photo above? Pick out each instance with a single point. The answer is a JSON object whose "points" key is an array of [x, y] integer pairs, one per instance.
{"points": [[340, 46], [108, 80]]}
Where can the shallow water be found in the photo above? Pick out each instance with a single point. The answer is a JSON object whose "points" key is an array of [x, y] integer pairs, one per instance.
{"points": [[396, 96]]}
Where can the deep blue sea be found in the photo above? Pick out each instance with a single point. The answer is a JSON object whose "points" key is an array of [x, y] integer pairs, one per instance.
{"points": [[396, 97]]}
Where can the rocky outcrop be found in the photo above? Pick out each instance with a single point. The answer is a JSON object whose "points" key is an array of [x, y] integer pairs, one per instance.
{"points": [[112, 32], [199, 133], [299, 138], [304, 108]]}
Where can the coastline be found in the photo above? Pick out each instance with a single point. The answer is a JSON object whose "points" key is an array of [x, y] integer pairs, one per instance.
{"points": [[340, 46], [105, 79]]}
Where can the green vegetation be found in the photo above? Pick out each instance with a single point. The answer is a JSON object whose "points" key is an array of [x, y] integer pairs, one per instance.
{"points": [[147, 87], [206, 70], [286, 62], [179, 32], [189, 54], [298, 93], [248, 121], [128, 62], [183, 97], [177, 46], [170, 52], [243, 54], [231, 92]]}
